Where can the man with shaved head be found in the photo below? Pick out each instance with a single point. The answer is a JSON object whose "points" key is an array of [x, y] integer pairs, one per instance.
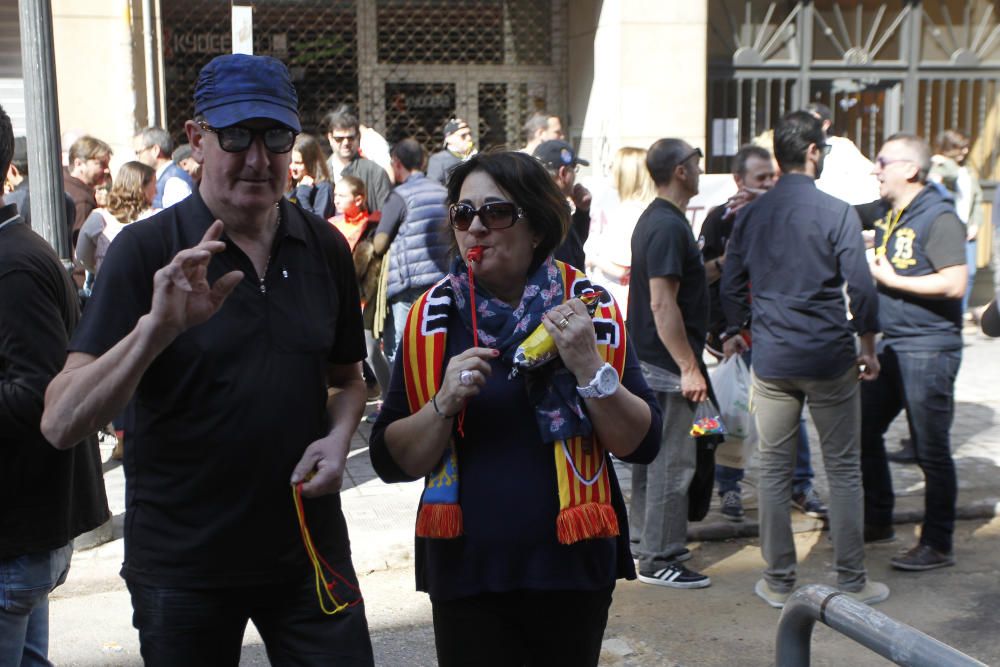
{"points": [[920, 269], [667, 322]]}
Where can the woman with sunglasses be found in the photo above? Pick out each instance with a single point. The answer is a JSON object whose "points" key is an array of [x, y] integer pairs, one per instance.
{"points": [[309, 184], [521, 530]]}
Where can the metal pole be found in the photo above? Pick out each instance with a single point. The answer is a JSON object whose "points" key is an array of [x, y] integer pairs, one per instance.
{"points": [[152, 99], [161, 83], [48, 213], [898, 642]]}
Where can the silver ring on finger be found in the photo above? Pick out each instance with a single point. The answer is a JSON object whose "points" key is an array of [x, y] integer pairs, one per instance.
{"points": [[465, 378]]}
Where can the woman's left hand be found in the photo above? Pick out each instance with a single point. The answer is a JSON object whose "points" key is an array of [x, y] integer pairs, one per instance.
{"points": [[571, 328]]}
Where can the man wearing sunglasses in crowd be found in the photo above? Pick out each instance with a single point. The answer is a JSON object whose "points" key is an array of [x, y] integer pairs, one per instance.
{"points": [[344, 135], [667, 323], [228, 317], [920, 270]]}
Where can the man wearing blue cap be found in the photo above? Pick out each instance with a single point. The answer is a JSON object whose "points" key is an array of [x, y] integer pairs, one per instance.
{"points": [[562, 162], [230, 326]]}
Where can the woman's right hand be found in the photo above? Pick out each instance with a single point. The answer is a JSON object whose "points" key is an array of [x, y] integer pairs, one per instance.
{"points": [[473, 364]]}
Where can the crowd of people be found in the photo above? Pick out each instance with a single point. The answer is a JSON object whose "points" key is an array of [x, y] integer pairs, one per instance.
{"points": [[249, 291]]}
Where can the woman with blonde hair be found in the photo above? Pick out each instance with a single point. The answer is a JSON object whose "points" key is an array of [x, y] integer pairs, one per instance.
{"points": [[609, 251], [309, 185], [129, 199]]}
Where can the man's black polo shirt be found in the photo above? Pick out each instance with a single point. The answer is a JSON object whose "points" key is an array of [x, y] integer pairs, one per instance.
{"points": [[222, 416]]}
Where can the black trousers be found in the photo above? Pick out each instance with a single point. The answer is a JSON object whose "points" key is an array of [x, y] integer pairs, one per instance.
{"points": [[522, 628], [195, 627]]}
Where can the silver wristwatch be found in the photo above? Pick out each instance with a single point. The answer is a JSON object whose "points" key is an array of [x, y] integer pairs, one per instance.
{"points": [[604, 384]]}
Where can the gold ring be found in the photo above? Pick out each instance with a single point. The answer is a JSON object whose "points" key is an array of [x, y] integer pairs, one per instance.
{"points": [[562, 324]]}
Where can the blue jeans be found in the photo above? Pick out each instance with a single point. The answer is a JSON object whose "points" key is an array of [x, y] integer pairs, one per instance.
{"points": [[399, 308], [25, 584], [924, 384], [728, 479]]}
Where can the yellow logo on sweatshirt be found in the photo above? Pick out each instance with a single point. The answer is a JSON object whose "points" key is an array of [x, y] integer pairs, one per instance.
{"points": [[902, 256]]}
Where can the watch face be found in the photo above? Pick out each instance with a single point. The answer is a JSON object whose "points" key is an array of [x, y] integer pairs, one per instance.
{"points": [[607, 380]]}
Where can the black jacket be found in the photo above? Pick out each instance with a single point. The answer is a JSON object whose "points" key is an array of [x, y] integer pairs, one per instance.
{"points": [[47, 496]]}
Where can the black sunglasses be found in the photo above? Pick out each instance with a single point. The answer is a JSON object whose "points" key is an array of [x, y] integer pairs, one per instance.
{"points": [[237, 138], [690, 155], [495, 215]]}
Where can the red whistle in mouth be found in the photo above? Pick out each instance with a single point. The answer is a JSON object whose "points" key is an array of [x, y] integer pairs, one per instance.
{"points": [[475, 253]]}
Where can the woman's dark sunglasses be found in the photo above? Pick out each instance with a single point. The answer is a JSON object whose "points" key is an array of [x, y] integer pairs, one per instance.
{"points": [[237, 138], [495, 215]]}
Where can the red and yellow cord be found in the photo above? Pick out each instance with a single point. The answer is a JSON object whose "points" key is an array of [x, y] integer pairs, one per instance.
{"points": [[324, 587]]}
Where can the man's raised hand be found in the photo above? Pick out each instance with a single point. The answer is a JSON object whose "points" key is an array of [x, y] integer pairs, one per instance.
{"points": [[182, 297]]}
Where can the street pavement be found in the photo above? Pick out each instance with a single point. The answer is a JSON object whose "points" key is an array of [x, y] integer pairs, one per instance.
{"points": [[648, 625]]}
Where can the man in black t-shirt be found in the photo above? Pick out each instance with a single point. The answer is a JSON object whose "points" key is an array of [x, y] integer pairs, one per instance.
{"points": [[668, 318], [224, 322], [920, 269]]}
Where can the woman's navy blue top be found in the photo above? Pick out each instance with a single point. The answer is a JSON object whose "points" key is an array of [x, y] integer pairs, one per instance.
{"points": [[509, 494]]}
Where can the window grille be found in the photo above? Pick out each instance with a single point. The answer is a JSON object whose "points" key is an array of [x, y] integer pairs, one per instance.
{"points": [[315, 38], [915, 65], [407, 65]]}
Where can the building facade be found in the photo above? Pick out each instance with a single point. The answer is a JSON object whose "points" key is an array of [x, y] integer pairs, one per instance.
{"points": [[618, 72]]}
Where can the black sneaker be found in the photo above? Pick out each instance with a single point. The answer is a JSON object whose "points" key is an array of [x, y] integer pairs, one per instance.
{"points": [[732, 506], [922, 557], [809, 503], [877, 534], [902, 455], [675, 575]]}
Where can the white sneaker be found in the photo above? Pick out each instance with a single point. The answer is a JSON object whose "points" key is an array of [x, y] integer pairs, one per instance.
{"points": [[773, 598], [873, 592]]}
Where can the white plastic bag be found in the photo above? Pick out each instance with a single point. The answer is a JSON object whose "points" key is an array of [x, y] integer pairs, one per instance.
{"points": [[731, 381]]}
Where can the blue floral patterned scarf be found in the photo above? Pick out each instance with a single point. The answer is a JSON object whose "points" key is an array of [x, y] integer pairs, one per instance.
{"points": [[551, 388]]}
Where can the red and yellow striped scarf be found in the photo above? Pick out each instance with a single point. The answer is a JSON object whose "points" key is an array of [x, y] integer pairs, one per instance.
{"points": [[584, 487]]}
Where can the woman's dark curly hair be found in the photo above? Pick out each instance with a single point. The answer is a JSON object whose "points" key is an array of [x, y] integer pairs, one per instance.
{"points": [[530, 186]]}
